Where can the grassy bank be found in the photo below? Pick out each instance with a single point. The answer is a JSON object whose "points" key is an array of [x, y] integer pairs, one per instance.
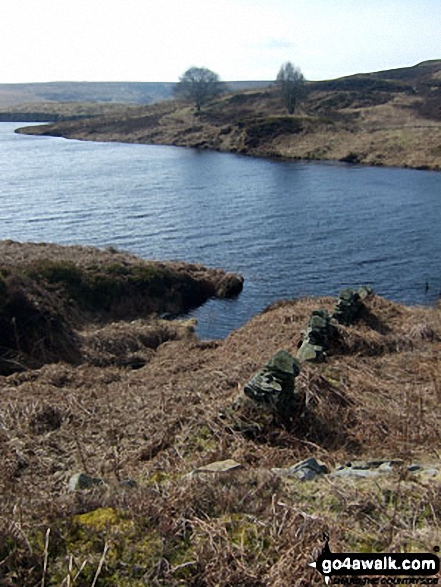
{"points": [[50, 293], [387, 118], [376, 396]]}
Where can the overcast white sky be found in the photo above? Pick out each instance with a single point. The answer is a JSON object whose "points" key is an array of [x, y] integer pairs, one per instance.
{"points": [[157, 40]]}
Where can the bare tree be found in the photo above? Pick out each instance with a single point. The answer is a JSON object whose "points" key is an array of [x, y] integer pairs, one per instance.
{"points": [[199, 85], [292, 85]]}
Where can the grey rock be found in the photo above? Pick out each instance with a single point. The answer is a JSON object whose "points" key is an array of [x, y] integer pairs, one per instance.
{"points": [[128, 483], [217, 467], [316, 337], [430, 472], [350, 472], [370, 468], [386, 468], [310, 352], [81, 481], [306, 470], [272, 388], [348, 307], [391, 462], [374, 463], [365, 291], [358, 465], [414, 467]]}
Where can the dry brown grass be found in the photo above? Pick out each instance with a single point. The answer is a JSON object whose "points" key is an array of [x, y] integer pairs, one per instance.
{"points": [[49, 293], [378, 395]]}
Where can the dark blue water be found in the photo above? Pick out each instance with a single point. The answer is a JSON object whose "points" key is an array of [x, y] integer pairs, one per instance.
{"points": [[292, 229]]}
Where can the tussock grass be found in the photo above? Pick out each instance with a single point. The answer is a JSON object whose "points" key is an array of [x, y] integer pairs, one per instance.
{"points": [[378, 395], [49, 295]]}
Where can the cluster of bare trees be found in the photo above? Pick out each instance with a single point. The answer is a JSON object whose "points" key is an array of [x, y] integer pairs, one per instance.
{"points": [[200, 85]]}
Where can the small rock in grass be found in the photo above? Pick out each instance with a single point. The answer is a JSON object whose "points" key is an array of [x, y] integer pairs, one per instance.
{"points": [[218, 467], [81, 481]]}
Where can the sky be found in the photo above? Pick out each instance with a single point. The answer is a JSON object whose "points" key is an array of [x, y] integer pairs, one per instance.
{"points": [[158, 40]]}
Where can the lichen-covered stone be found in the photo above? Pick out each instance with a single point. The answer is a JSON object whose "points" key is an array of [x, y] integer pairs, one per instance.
{"points": [[350, 303], [364, 469], [272, 388], [316, 338]]}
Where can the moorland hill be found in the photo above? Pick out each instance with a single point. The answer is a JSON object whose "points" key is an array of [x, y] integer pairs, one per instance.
{"points": [[385, 118]]}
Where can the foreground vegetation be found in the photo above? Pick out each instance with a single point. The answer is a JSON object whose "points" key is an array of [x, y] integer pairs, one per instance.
{"points": [[386, 118], [48, 292], [143, 427]]}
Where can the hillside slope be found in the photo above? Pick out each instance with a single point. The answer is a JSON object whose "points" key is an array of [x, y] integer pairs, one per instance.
{"points": [[49, 292], [140, 430], [119, 92], [386, 118]]}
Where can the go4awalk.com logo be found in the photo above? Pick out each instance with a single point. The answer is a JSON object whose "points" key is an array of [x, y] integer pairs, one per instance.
{"points": [[417, 567]]}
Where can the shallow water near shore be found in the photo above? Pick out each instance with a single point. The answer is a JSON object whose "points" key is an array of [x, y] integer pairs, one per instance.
{"points": [[291, 229]]}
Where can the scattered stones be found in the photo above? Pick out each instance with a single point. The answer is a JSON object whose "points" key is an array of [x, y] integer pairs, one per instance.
{"points": [[81, 481], [313, 470], [217, 467], [307, 470], [376, 467], [272, 388], [310, 469]]}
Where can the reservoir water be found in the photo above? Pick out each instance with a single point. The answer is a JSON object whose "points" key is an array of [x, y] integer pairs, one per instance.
{"points": [[290, 228]]}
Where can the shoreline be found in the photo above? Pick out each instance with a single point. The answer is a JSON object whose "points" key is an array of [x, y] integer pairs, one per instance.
{"points": [[387, 118], [364, 159], [50, 294]]}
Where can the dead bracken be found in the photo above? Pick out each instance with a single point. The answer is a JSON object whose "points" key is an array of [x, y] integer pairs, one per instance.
{"points": [[186, 490]]}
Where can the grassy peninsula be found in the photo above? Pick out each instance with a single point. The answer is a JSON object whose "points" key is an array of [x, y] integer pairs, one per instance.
{"points": [[49, 293], [390, 118], [178, 486]]}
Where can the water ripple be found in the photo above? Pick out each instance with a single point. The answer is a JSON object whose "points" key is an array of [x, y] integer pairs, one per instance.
{"points": [[290, 228]]}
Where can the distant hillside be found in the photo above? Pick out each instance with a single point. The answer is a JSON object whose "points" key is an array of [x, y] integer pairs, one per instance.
{"points": [[59, 111], [116, 92], [390, 118], [132, 93], [422, 77]]}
